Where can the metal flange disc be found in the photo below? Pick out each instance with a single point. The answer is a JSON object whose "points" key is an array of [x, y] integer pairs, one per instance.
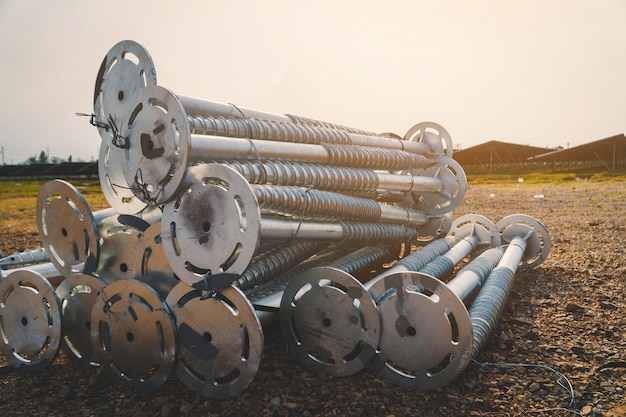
{"points": [[158, 145], [116, 189], [538, 242], [434, 228], [117, 259], [213, 228], [133, 335], [329, 321], [30, 320], [450, 196], [484, 229], [426, 339], [151, 266], [220, 340], [125, 69], [77, 296], [67, 228], [434, 134]]}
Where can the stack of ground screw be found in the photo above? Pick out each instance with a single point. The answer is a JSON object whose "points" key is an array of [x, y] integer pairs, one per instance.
{"points": [[223, 218]]}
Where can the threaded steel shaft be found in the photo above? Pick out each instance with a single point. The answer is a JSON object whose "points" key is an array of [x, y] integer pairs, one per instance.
{"points": [[275, 261], [308, 203]]}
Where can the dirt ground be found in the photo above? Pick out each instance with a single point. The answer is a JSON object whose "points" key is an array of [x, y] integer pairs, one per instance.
{"points": [[559, 349]]}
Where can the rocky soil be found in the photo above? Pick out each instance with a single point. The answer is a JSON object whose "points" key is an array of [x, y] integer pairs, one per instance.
{"points": [[559, 350]]}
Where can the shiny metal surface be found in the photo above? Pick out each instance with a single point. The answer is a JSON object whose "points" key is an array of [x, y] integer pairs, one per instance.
{"points": [[115, 188], [151, 265], [425, 333], [29, 256], [221, 340], [67, 228], [133, 335], [77, 295], [117, 255], [30, 321], [160, 148], [126, 68], [536, 237], [449, 196], [528, 245], [432, 134], [213, 228], [329, 321]]}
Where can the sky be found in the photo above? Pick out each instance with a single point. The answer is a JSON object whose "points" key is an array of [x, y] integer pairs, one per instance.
{"points": [[531, 72]]}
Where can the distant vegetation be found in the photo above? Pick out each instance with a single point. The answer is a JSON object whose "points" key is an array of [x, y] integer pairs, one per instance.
{"points": [[538, 177]]}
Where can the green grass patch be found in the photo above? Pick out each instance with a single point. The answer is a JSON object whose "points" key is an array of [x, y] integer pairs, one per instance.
{"points": [[544, 177]]}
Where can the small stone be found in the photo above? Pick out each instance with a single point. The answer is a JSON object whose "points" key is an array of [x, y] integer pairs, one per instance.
{"points": [[586, 410], [608, 305], [168, 410], [531, 335], [573, 307], [186, 408]]}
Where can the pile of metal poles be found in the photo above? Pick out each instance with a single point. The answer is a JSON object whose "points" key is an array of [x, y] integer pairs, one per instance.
{"points": [[223, 217]]}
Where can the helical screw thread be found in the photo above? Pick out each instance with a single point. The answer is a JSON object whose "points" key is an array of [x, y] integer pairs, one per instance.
{"points": [[312, 122], [488, 306], [269, 264], [306, 175], [374, 158], [362, 258], [484, 263], [266, 130], [420, 258], [309, 203], [374, 233], [279, 282]]}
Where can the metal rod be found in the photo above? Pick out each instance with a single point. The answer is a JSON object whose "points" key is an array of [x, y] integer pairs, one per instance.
{"points": [[128, 67], [220, 216], [29, 256], [282, 130], [328, 319], [528, 246], [71, 234], [443, 343], [437, 192], [418, 313], [157, 148]]}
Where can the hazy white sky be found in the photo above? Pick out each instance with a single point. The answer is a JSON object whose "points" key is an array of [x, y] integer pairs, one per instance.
{"points": [[544, 73]]}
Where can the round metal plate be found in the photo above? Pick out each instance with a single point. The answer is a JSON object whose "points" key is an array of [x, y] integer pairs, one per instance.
{"points": [[159, 145], [434, 134], [114, 186], [434, 228], [151, 265], [133, 335], [474, 224], [221, 340], [450, 196], [30, 320], [125, 69], [426, 339], [214, 227], [117, 259], [67, 228], [329, 321], [77, 296], [538, 244]]}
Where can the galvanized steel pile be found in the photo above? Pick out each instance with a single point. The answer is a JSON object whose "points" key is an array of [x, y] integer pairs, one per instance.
{"points": [[224, 218]]}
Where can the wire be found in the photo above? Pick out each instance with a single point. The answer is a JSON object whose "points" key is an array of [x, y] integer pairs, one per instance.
{"points": [[561, 380]]}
